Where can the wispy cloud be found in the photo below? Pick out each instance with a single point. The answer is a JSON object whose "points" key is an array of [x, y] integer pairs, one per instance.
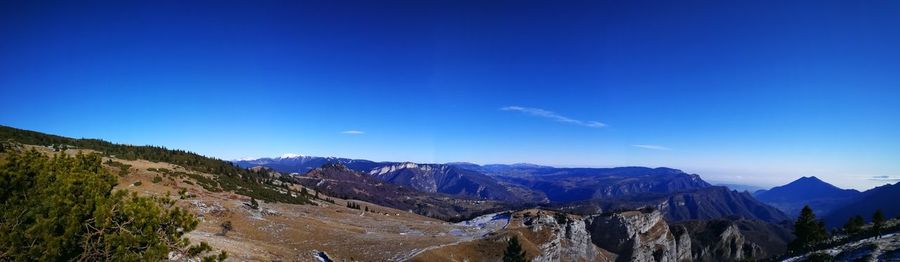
{"points": [[552, 116], [352, 132], [885, 178], [653, 147]]}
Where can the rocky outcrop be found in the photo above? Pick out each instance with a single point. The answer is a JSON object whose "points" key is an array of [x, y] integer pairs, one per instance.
{"points": [[683, 243], [559, 237], [734, 240], [637, 236]]}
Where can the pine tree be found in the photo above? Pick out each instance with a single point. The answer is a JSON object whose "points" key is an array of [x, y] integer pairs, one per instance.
{"points": [[65, 208], [877, 222], [854, 225], [253, 203], [808, 230], [514, 251]]}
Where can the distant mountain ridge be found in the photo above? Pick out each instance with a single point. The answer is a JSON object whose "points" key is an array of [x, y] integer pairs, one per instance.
{"points": [[679, 195], [822, 197], [292, 163], [338, 180], [884, 198], [697, 204], [509, 182]]}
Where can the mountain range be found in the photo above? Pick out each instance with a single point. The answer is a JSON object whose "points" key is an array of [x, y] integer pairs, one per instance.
{"points": [[679, 195], [325, 208], [833, 204]]}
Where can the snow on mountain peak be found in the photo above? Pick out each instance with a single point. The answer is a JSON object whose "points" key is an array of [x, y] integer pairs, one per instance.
{"points": [[291, 155]]}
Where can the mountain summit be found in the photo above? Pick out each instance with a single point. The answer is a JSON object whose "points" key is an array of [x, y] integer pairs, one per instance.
{"points": [[821, 196]]}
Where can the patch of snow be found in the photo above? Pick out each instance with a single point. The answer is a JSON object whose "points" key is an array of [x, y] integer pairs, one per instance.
{"points": [[290, 155], [321, 256]]}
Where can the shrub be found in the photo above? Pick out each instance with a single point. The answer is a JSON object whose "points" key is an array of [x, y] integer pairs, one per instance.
{"points": [[64, 208]]}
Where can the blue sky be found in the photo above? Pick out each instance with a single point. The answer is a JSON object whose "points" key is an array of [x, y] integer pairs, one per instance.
{"points": [[753, 92]]}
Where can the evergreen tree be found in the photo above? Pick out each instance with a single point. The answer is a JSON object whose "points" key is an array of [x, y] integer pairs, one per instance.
{"points": [[808, 230], [253, 203], [877, 222], [854, 225], [514, 252], [64, 208]]}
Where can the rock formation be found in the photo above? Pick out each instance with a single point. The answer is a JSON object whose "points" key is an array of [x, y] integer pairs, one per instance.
{"points": [[637, 236]]}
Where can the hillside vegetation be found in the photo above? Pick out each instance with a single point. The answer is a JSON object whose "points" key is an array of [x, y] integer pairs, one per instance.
{"points": [[56, 208], [229, 177]]}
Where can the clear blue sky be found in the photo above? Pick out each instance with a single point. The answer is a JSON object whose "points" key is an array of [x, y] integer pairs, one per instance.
{"points": [[754, 92]]}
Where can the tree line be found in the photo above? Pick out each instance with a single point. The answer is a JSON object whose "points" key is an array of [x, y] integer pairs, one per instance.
{"points": [[811, 233]]}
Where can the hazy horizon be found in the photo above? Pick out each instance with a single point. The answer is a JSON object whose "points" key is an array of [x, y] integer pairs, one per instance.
{"points": [[749, 93]]}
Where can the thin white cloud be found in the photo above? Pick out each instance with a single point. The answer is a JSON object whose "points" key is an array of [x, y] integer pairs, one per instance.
{"points": [[885, 178], [552, 116], [353, 132], [653, 147]]}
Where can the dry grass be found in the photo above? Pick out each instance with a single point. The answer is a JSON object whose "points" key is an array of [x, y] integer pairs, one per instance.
{"points": [[292, 232]]}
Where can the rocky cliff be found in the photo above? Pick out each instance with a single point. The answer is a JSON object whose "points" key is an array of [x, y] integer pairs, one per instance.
{"points": [[637, 236], [551, 236], [734, 240]]}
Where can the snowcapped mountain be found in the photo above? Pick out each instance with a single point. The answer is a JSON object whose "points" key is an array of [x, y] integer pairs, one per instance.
{"points": [[296, 163]]}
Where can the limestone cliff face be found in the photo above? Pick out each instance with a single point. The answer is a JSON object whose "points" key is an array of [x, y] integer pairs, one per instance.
{"points": [[729, 245], [723, 240], [683, 242], [551, 236], [558, 237], [638, 236]]}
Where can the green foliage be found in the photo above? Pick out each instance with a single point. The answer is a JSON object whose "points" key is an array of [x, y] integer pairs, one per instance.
{"points": [[247, 186], [514, 252], [253, 203], [352, 205], [123, 168], [878, 222], [64, 208], [808, 230], [156, 180], [229, 177], [138, 183], [854, 225], [561, 218], [819, 257]]}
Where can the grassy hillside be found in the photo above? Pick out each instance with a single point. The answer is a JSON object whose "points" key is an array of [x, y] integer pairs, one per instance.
{"points": [[229, 177]]}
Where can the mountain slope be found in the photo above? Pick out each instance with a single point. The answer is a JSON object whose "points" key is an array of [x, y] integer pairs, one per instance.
{"points": [[697, 204], [734, 239], [341, 181], [883, 197], [452, 180], [577, 184], [819, 195]]}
